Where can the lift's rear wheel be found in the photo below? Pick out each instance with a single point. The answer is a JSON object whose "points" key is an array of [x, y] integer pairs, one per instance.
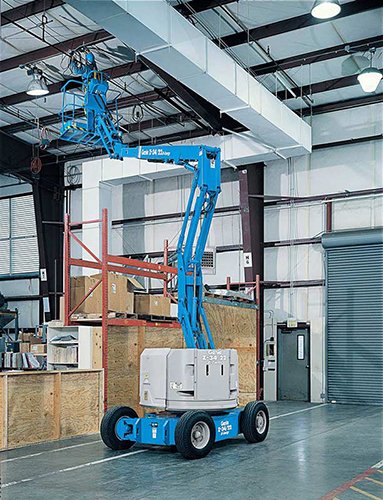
{"points": [[108, 427], [195, 434], [255, 422]]}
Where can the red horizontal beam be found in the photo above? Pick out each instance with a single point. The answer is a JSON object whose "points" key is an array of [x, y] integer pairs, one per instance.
{"points": [[141, 264], [173, 324], [84, 222], [91, 290], [126, 322], [136, 272], [142, 322], [84, 263]]}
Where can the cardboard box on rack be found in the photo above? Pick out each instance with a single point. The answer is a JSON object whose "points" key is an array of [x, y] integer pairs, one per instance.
{"points": [[120, 293], [79, 286], [35, 340], [25, 336], [25, 347], [38, 348], [151, 305]]}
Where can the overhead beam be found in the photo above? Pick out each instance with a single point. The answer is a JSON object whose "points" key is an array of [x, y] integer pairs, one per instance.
{"points": [[28, 9], [54, 88], [40, 6], [317, 56], [294, 23], [195, 6], [52, 50], [318, 87], [345, 104], [122, 103]]}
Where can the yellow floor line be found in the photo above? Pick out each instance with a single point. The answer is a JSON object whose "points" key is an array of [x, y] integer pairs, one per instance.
{"points": [[374, 480], [365, 493]]}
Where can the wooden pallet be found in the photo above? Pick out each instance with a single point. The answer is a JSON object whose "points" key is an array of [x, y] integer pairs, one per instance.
{"points": [[156, 319], [229, 298], [97, 317]]}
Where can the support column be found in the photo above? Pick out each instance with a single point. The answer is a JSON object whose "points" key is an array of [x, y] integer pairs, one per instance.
{"points": [[251, 195], [48, 198]]}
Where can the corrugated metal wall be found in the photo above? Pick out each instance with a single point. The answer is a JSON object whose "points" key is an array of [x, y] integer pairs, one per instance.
{"points": [[355, 317]]}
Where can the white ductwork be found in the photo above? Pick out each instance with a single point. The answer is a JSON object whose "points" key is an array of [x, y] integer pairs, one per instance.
{"points": [[157, 31]]}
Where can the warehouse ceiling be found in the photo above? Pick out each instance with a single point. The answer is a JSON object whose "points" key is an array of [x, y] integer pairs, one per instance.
{"points": [[310, 65]]}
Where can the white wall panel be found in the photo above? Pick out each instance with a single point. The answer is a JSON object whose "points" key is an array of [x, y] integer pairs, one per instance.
{"points": [[340, 125], [301, 221], [352, 167], [28, 312], [20, 287], [296, 263], [351, 214]]}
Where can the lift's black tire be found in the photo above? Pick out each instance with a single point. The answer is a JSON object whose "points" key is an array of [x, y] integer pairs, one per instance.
{"points": [[108, 427], [255, 422], [195, 434]]}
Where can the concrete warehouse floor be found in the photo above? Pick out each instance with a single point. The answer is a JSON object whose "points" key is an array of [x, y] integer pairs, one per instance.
{"points": [[310, 450]]}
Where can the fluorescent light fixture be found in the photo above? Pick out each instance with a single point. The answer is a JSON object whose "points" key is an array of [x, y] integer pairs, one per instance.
{"points": [[369, 79], [37, 86], [325, 9]]}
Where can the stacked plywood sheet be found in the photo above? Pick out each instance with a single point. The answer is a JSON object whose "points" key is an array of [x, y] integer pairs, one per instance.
{"points": [[233, 325], [125, 345]]}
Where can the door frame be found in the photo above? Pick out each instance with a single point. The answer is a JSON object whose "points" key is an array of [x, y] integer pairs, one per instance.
{"points": [[300, 325]]}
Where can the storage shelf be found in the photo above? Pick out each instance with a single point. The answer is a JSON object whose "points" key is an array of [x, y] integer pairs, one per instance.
{"points": [[61, 363]]}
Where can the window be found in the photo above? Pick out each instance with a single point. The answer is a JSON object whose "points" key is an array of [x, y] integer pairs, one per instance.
{"points": [[18, 239]]}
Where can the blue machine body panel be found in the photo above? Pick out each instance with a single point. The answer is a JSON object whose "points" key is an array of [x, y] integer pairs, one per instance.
{"points": [[159, 429]]}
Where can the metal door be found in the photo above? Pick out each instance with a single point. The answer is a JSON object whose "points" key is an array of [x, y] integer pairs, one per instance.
{"points": [[293, 368]]}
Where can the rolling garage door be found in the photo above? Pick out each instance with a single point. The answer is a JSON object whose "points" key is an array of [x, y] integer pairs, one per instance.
{"points": [[354, 282]]}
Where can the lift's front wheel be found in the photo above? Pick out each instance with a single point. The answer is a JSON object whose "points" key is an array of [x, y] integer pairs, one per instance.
{"points": [[255, 422], [195, 434], [108, 427]]}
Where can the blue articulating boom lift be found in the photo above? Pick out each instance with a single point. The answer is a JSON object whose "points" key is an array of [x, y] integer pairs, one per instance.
{"points": [[197, 386]]}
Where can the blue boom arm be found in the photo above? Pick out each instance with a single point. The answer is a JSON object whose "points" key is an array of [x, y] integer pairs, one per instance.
{"points": [[87, 118]]}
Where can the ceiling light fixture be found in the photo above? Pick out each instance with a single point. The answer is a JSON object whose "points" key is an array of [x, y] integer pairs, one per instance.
{"points": [[370, 77], [325, 9], [37, 86]]}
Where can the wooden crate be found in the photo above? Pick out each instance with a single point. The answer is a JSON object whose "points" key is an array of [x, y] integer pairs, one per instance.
{"points": [[44, 406], [125, 345], [233, 326]]}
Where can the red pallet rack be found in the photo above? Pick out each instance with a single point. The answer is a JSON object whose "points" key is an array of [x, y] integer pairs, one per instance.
{"points": [[107, 263]]}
